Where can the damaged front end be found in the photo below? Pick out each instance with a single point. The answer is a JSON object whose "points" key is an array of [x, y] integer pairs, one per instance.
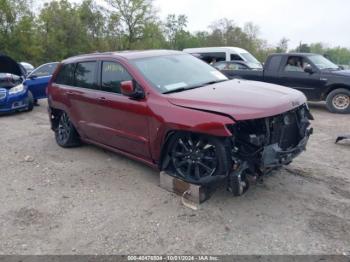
{"points": [[261, 145]]}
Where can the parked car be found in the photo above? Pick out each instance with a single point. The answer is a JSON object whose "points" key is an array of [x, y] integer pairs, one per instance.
{"points": [[14, 96], [235, 65], [317, 77], [28, 67], [211, 55], [176, 113], [38, 80]]}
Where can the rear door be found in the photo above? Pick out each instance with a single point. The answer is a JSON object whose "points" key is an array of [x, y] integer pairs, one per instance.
{"points": [[122, 121], [84, 99]]}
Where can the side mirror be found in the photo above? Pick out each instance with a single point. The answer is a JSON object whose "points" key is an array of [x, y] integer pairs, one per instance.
{"points": [[308, 69], [131, 89], [341, 67]]}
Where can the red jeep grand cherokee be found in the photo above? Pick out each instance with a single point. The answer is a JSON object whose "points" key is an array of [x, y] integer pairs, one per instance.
{"points": [[174, 112]]}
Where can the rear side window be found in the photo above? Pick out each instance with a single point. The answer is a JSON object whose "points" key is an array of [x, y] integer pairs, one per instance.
{"points": [[66, 75], [212, 58], [274, 64], [85, 75], [235, 57], [112, 75]]}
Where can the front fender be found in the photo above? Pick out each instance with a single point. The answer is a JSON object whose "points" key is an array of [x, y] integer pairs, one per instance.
{"points": [[174, 119]]}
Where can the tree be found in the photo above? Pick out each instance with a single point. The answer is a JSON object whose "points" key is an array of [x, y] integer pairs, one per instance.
{"points": [[152, 37], [93, 24], [175, 29], [303, 48], [282, 46], [134, 16], [14, 17]]}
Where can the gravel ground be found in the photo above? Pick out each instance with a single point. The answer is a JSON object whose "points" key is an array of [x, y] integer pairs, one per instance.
{"points": [[90, 201]]}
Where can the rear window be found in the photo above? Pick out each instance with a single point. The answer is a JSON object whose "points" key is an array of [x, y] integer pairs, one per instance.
{"points": [[66, 75], [85, 75]]}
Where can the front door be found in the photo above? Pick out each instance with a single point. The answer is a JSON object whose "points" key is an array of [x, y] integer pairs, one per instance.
{"points": [[293, 75], [122, 121], [39, 79]]}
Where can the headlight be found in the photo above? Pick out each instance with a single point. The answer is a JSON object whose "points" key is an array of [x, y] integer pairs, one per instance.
{"points": [[17, 89]]}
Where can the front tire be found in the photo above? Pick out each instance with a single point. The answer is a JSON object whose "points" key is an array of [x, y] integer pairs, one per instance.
{"points": [[198, 159], [65, 133], [30, 100], [338, 101]]}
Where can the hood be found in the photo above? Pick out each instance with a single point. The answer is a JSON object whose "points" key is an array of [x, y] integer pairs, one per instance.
{"points": [[240, 99], [10, 66], [341, 73]]}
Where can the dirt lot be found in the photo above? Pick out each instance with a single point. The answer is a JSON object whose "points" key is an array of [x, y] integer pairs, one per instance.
{"points": [[90, 201]]}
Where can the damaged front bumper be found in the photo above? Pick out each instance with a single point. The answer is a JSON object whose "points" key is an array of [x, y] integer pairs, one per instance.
{"points": [[274, 156], [261, 145]]}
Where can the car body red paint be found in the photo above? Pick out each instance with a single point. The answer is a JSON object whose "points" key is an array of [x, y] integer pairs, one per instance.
{"points": [[139, 128]]}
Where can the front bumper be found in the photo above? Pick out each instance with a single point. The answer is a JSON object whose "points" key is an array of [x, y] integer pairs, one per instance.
{"points": [[12, 103], [273, 156]]}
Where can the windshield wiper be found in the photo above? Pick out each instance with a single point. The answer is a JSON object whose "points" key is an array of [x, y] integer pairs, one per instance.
{"points": [[175, 90], [193, 87]]}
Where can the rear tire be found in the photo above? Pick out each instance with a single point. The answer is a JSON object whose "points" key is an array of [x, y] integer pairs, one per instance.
{"points": [[65, 133], [338, 101], [30, 101]]}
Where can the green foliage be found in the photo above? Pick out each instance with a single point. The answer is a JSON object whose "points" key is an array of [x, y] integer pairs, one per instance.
{"points": [[63, 28]]}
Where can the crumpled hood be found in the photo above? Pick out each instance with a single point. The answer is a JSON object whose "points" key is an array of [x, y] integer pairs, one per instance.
{"points": [[240, 99], [10, 66]]}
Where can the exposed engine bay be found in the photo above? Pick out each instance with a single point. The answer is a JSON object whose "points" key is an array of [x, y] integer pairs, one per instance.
{"points": [[9, 80]]}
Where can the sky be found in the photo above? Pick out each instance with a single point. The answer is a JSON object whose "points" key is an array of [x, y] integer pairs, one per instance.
{"points": [[308, 21]]}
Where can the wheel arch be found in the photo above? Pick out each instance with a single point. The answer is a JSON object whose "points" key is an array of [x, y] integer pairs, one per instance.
{"points": [[162, 164], [333, 87], [54, 115]]}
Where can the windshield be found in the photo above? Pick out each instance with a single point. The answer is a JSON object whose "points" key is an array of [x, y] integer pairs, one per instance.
{"points": [[322, 63], [177, 72], [249, 58]]}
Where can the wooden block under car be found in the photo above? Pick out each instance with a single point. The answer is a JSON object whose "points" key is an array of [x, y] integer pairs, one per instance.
{"points": [[194, 193]]}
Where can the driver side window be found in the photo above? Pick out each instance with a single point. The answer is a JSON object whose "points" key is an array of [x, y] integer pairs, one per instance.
{"points": [[112, 75], [45, 70], [294, 64]]}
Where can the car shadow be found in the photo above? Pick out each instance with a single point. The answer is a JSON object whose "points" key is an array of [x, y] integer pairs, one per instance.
{"points": [[319, 106]]}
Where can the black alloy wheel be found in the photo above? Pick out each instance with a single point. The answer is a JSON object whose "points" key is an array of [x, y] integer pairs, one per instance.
{"points": [[195, 157], [65, 133]]}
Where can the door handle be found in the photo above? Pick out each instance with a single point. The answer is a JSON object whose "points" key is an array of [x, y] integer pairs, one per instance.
{"points": [[102, 100]]}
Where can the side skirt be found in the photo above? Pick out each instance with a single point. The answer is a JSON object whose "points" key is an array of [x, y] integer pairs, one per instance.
{"points": [[115, 150]]}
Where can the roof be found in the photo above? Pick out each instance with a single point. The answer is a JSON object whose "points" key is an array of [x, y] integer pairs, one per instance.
{"points": [[130, 55], [216, 49], [293, 54]]}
